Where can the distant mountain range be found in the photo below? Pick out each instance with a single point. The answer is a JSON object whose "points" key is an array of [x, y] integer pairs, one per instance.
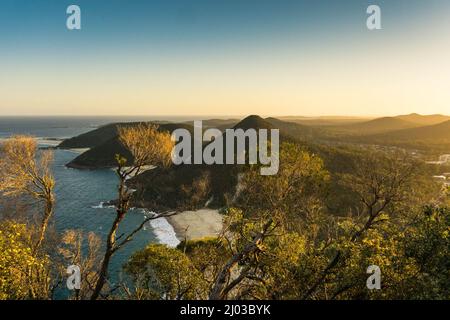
{"points": [[324, 121], [386, 124], [425, 120], [375, 126], [420, 137], [413, 130]]}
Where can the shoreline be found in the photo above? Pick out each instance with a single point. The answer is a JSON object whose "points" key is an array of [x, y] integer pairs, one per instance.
{"points": [[198, 224]]}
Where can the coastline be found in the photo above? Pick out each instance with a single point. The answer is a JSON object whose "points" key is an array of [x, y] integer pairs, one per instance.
{"points": [[186, 225], [191, 225]]}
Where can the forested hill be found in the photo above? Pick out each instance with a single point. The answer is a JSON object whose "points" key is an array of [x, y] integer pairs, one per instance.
{"points": [[189, 186], [107, 132], [104, 144], [435, 136], [378, 125]]}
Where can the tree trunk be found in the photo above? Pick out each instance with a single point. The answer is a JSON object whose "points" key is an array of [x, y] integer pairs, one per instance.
{"points": [[47, 215], [106, 259], [221, 287]]}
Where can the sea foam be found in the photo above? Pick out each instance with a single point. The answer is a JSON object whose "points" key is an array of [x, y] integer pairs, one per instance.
{"points": [[164, 232], [102, 205], [162, 229]]}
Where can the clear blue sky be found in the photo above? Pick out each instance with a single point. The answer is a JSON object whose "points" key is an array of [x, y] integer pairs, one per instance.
{"points": [[217, 56]]}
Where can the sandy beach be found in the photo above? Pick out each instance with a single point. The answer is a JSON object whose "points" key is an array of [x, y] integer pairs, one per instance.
{"points": [[196, 224]]}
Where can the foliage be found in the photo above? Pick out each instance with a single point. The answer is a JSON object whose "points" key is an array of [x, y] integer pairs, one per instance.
{"points": [[296, 191], [25, 171], [207, 255], [281, 239], [197, 191], [147, 145], [160, 272], [22, 275], [267, 252], [84, 252]]}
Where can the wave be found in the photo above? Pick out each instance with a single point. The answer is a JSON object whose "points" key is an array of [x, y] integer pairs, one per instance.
{"points": [[164, 232], [102, 205], [162, 229]]}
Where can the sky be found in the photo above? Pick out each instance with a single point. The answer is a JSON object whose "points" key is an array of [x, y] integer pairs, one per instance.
{"points": [[224, 57]]}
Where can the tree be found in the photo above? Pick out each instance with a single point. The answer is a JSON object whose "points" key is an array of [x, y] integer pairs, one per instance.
{"points": [[272, 211], [245, 241], [149, 147], [208, 255], [24, 170], [296, 191], [71, 249], [218, 268], [160, 272], [413, 258], [270, 252], [381, 182], [22, 274]]}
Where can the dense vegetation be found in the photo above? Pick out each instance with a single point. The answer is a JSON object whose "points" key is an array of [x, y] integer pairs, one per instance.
{"points": [[309, 232]]}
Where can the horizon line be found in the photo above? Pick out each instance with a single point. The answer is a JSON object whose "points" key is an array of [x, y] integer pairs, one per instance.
{"points": [[219, 115]]}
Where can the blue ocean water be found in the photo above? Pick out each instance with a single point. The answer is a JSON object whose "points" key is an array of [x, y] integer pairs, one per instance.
{"points": [[70, 126], [79, 193]]}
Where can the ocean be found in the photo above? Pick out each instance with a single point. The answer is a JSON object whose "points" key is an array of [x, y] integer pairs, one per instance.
{"points": [[80, 194], [70, 126]]}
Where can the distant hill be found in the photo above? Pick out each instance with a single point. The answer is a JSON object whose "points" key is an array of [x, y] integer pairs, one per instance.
{"points": [[294, 130], [427, 136], [104, 144], [379, 125], [424, 120], [180, 186], [107, 132], [220, 124], [185, 187], [192, 186], [92, 138], [102, 155], [324, 121], [253, 122]]}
